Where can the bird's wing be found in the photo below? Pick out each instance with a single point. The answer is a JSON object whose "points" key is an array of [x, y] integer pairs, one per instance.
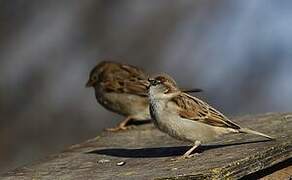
{"points": [[195, 109], [126, 79]]}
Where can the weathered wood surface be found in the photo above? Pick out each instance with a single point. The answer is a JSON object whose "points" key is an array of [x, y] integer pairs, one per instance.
{"points": [[148, 154]]}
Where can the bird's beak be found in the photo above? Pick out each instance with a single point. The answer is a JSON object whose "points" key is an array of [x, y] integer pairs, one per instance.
{"points": [[89, 83], [151, 80]]}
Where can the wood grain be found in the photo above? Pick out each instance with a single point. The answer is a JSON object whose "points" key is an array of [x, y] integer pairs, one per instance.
{"points": [[146, 153]]}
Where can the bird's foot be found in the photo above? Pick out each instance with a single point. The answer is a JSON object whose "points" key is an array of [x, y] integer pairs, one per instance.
{"points": [[186, 157], [118, 128], [121, 126]]}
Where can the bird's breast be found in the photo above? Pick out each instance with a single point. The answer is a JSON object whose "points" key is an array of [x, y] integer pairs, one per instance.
{"points": [[160, 114]]}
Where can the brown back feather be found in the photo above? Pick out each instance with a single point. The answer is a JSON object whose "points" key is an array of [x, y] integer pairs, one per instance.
{"points": [[195, 109], [123, 78]]}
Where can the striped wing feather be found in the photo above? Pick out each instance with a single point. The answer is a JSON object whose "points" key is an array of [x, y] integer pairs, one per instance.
{"points": [[195, 109], [125, 79]]}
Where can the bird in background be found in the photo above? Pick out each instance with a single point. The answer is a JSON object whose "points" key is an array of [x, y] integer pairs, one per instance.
{"points": [[122, 89]]}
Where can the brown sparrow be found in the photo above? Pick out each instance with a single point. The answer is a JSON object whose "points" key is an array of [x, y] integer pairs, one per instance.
{"points": [[187, 118], [122, 89]]}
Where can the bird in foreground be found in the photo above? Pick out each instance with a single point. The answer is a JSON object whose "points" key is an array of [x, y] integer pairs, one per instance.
{"points": [[188, 118], [122, 89]]}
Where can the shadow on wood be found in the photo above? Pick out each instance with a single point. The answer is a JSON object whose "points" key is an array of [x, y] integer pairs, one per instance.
{"points": [[161, 151]]}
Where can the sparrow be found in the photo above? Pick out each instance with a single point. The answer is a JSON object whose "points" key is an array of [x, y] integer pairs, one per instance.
{"points": [[122, 89], [188, 118]]}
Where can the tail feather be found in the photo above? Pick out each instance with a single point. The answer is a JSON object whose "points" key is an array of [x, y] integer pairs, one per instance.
{"points": [[249, 131]]}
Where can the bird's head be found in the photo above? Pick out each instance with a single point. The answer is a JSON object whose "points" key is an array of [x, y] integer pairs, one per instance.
{"points": [[162, 84], [97, 72]]}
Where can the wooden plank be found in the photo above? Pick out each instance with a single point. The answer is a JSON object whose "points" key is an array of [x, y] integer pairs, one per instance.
{"points": [[146, 153], [285, 173]]}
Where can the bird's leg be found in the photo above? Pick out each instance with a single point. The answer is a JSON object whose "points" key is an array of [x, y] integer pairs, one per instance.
{"points": [[121, 126], [188, 153]]}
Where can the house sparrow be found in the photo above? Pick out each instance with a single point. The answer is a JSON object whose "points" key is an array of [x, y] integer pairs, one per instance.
{"points": [[187, 118], [122, 89]]}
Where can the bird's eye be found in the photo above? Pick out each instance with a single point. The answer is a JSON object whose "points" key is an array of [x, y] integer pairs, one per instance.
{"points": [[154, 82], [157, 82], [94, 77]]}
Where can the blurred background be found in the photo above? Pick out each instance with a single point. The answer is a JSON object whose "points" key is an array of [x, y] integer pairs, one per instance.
{"points": [[238, 51]]}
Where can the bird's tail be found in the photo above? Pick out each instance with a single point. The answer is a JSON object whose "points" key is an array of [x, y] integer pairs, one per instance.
{"points": [[249, 131]]}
